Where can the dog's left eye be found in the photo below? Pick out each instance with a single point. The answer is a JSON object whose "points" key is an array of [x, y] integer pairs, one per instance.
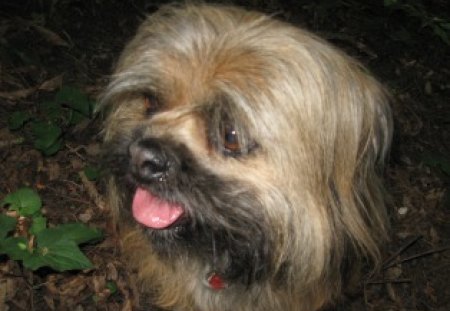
{"points": [[151, 104]]}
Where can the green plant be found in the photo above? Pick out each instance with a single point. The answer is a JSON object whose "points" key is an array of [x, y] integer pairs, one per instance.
{"points": [[80, 106], [47, 137], [24, 235], [415, 9], [437, 160], [69, 107], [92, 173], [18, 119]]}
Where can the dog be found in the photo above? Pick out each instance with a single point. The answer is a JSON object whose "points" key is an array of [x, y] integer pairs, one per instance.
{"points": [[246, 158]]}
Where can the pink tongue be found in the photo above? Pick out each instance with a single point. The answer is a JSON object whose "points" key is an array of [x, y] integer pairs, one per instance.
{"points": [[154, 212]]}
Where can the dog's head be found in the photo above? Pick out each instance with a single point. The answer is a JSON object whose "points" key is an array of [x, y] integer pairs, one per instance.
{"points": [[246, 144]]}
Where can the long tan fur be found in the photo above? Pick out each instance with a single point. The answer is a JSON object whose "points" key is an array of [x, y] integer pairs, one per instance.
{"points": [[323, 127]]}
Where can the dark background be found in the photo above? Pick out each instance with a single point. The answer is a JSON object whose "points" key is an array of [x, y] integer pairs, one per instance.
{"points": [[48, 44]]}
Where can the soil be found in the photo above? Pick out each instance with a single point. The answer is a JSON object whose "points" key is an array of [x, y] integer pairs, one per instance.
{"points": [[47, 44]]}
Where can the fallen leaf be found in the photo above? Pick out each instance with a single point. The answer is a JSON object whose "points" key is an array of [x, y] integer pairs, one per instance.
{"points": [[49, 85], [52, 84], [51, 36], [86, 216], [434, 236], [394, 272], [93, 149], [77, 164], [99, 282], [53, 170], [430, 292], [391, 292], [112, 273], [50, 302], [19, 94]]}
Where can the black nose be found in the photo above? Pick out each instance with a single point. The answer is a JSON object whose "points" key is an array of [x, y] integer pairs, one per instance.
{"points": [[148, 160]]}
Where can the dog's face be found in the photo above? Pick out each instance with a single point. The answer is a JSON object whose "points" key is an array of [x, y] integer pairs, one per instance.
{"points": [[246, 146]]}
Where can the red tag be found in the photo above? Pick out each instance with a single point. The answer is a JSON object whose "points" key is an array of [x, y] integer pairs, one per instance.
{"points": [[216, 282]]}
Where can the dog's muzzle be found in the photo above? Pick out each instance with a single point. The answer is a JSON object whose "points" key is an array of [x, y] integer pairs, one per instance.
{"points": [[148, 161], [151, 164]]}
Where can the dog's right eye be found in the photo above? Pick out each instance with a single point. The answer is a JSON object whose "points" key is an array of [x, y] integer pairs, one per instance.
{"points": [[151, 104], [230, 140]]}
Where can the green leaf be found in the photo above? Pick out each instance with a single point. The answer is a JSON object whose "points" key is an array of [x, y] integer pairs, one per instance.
{"points": [[54, 148], [25, 201], [7, 224], [15, 248], [57, 247], [53, 110], [18, 119], [61, 256], [91, 173], [441, 33], [75, 99], [112, 286], [437, 160], [76, 117], [77, 232], [39, 224], [47, 137], [390, 2], [402, 35]]}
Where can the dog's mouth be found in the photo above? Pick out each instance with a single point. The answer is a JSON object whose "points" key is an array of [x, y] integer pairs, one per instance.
{"points": [[184, 210], [155, 212]]}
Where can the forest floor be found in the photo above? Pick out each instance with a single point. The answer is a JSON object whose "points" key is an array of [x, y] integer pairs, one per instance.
{"points": [[46, 46]]}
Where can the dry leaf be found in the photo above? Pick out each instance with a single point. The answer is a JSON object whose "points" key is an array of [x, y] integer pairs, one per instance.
{"points": [[73, 287], [434, 236], [99, 283], [49, 85], [93, 149], [15, 95], [86, 216], [50, 302], [394, 272], [112, 273], [52, 84], [391, 292], [51, 36], [3, 293], [430, 292], [53, 170], [128, 305], [77, 164]]}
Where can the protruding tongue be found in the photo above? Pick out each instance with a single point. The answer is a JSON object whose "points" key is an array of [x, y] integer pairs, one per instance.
{"points": [[153, 212]]}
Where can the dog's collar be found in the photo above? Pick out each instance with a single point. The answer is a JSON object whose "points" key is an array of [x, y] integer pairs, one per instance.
{"points": [[215, 281]]}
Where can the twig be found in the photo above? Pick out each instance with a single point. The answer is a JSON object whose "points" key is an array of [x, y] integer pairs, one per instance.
{"points": [[441, 267], [75, 151], [10, 142], [388, 283], [423, 254], [384, 281], [57, 194], [388, 262], [92, 191]]}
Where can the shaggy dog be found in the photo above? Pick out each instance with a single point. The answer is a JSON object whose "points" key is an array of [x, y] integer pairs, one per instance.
{"points": [[245, 156]]}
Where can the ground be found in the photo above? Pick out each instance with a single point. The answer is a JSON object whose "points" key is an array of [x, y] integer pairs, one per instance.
{"points": [[45, 46]]}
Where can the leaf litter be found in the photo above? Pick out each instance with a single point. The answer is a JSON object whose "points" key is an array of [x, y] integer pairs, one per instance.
{"points": [[76, 51]]}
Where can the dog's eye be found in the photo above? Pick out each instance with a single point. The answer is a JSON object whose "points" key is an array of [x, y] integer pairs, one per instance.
{"points": [[151, 104], [230, 140]]}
